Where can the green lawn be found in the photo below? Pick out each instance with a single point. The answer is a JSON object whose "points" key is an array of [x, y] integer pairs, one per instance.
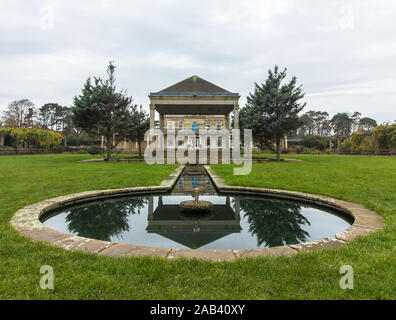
{"points": [[367, 180]]}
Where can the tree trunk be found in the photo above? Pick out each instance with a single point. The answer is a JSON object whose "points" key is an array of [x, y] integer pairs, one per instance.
{"points": [[140, 149], [278, 149], [108, 148], [338, 145]]}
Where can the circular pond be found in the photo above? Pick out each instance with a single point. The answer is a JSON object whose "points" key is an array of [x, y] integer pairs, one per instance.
{"points": [[236, 222]]}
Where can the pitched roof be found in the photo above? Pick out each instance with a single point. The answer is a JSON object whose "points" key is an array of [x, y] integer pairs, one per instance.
{"points": [[194, 240], [194, 86], [170, 223]]}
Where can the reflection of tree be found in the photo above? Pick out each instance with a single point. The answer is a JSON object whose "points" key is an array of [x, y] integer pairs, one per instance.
{"points": [[105, 219], [275, 223]]}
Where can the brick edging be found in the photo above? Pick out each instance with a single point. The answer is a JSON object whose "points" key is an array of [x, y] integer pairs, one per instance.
{"points": [[365, 220], [27, 221]]}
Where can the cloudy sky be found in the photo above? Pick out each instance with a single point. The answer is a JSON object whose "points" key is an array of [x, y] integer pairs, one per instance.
{"points": [[343, 52]]}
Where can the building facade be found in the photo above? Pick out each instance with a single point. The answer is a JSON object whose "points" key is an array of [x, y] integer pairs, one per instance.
{"points": [[193, 104]]}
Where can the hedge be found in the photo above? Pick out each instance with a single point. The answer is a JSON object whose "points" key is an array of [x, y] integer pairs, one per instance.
{"points": [[38, 138]]}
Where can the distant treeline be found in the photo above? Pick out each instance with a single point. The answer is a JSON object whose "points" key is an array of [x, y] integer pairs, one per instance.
{"points": [[351, 132], [341, 125]]}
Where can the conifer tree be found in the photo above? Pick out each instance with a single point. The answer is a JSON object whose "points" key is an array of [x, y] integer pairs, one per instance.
{"points": [[272, 109], [102, 111]]}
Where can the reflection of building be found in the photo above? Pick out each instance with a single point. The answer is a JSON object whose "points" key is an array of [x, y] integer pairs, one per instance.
{"points": [[194, 177], [193, 231]]}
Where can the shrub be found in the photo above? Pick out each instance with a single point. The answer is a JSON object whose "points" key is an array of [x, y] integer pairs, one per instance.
{"points": [[44, 139], [314, 142], [346, 146], [73, 140], [94, 150], [82, 140], [385, 136], [299, 149]]}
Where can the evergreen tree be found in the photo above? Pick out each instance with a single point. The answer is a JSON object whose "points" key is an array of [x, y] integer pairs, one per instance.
{"points": [[367, 124], [274, 222], [139, 124], [272, 109], [104, 220], [355, 120], [53, 116], [342, 126], [101, 111]]}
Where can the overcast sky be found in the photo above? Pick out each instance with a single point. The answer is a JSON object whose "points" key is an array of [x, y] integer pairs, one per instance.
{"points": [[343, 52]]}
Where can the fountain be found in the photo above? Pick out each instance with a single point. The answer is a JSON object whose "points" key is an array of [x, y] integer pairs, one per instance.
{"points": [[196, 206]]}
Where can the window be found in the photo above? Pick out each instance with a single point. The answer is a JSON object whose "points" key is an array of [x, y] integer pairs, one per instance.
{"points": [[170, 143], [193, 142], [181, 125], [171, 125], [220, 140], [218, 125], [180, 143], [208, 142], [207, 125], [194, 126]]}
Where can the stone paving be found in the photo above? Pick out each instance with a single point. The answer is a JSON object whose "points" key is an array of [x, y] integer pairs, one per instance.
{"points": [[27, 221]]}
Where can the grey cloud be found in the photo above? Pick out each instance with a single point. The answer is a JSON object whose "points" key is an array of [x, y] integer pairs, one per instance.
{"points": [[230, 43]]}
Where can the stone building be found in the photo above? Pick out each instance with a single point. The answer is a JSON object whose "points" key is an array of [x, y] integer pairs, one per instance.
{"points": [[191, 104]]}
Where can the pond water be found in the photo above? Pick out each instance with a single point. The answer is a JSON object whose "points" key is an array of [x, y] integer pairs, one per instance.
{"points": [[237, 222]]}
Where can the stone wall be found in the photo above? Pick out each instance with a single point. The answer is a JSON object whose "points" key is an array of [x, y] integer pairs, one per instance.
{"points": [[200, 120]]}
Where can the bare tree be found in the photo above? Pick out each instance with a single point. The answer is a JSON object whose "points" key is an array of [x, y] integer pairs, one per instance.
{"points": [[20, 114]]}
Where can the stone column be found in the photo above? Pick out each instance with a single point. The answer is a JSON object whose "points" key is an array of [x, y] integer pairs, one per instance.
{"points": [[161, 126], [286, 142], [227, 121], [151, 208], [102, 142], [152, 113], [237, 208], [125, 143], [1, 141], [161, 122], [236, 117]]}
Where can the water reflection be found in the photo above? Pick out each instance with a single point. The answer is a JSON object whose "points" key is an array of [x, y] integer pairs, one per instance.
{"points": [[189, 230], [103, 220], [191, 178], [274, 222], [270, 222], [237, 222]]}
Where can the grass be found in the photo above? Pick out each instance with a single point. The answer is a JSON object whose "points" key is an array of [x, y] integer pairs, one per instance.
{"points": [[367, 180]]}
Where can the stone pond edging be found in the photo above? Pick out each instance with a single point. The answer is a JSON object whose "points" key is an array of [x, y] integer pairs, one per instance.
{"points": [[27, 222]]}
